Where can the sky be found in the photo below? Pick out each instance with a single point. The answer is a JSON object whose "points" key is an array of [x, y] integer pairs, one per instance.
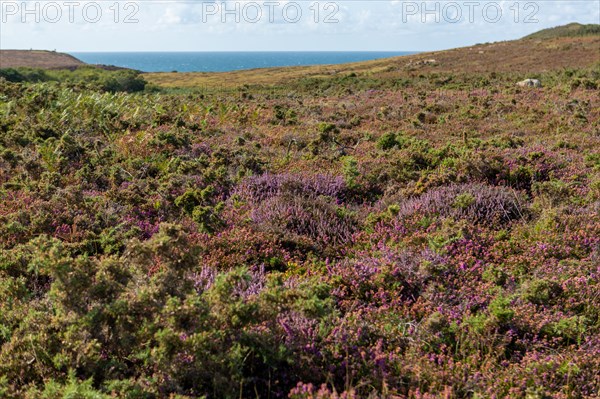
{"points": [[275, 25]]}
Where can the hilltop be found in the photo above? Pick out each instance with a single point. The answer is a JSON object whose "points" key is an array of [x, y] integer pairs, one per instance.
{"points": [[570, 30], [37, 59]]}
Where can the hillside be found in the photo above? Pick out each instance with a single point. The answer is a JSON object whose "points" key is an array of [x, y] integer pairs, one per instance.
{"points": [[570, 30], [518, 56], [37, 59]]}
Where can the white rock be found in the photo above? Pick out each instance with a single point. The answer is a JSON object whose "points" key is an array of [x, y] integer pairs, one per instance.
{"points": [[530, 83]]}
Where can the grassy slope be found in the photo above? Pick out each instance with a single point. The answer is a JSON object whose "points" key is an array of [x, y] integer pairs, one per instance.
{"points": [[37, 59], [520, 56], [570, 30]]}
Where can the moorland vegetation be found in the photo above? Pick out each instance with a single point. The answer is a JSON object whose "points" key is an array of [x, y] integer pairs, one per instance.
{"points": [[426, 234]]}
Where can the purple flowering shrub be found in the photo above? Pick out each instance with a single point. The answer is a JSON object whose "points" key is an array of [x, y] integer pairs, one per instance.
{"points": [[260, 188], [305, 210], [477, 203], [316, 221]]}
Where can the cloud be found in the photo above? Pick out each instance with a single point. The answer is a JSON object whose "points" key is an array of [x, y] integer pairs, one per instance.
{"points": [[361, 25]]}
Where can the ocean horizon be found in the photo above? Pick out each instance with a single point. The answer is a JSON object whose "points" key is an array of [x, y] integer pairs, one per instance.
{"points": [[227, 60]]}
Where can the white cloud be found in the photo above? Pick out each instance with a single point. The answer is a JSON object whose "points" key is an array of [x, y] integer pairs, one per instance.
{"points": [[362, 25]]}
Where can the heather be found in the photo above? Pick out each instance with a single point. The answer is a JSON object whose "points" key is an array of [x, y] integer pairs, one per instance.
{"points": [[339, 237]]}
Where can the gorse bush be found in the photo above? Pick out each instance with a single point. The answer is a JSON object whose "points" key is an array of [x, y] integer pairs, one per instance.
{"points": [[218, 338], [113, 81]]}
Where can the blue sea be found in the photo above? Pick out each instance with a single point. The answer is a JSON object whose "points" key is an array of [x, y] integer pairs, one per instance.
{"points": [[226, 61]]}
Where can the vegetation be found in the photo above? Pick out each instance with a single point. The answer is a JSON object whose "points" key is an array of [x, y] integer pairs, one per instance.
{"points": [[98, 78], [336, 237], [450, 67], [37, 59], [570, 30]]}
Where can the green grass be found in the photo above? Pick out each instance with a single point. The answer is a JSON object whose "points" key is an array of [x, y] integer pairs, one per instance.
{"points": [[570, 30]]}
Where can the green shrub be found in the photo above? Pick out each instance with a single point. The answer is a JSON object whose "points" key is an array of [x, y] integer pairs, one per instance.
{"points": [[12, 75], [387, 141], [593, 160], [350, 171], [463, 201], [571, 329], [500, 309], [113, 81], [128, 81], [71, 389], [200, 206], [541, 292], [326, 128]]}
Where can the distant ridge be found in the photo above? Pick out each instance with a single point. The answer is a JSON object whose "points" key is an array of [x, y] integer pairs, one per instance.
{"points": [[37, 59], [45, 59], [570, 30]]}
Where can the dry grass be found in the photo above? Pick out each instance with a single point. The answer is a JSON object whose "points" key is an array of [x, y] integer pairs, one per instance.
{"points": [[37, 59], [524, 56]]}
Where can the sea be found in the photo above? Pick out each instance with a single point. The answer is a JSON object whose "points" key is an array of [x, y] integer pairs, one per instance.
{"points": [[226, 61]]}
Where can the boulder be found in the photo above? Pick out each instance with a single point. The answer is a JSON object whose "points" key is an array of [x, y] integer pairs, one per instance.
{"points": [[421, 63], [530, 83]]}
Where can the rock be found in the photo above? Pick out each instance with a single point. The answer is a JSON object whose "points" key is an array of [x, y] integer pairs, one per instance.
{"points": [[421, 63], [530, 83]]}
